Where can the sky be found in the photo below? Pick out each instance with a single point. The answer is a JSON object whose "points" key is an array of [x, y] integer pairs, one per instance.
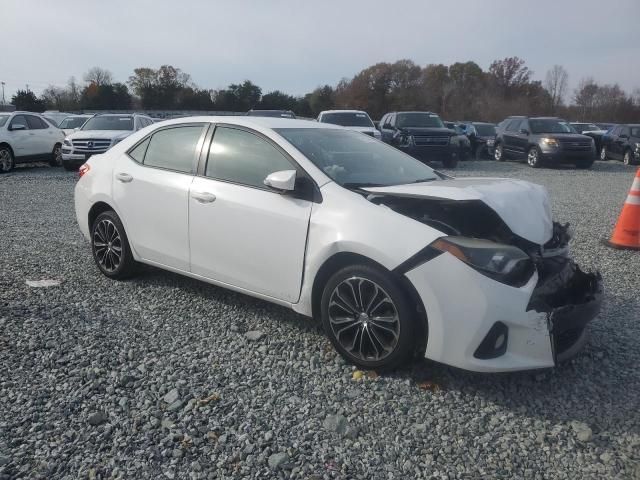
{"points": [[295, 46]]}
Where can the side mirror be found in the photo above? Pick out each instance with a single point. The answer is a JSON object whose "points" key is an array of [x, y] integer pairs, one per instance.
{"points": [[283, 181], [524, 131], [17, 126]]}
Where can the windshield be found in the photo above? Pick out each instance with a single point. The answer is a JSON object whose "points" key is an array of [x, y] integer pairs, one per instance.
{"points": [[550, 125], [348, 119], [3, 120], [72, 122], [111, 122], [485, 130], [418, 119], [352, 159]]}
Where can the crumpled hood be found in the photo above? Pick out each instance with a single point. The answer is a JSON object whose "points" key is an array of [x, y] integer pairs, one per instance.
{"points": [[523, 206], [100, 134]]}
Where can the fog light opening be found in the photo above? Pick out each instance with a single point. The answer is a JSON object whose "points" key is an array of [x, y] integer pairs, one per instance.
{"points": [[494, 343]]}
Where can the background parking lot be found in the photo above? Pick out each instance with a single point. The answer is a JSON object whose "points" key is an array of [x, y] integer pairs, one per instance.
{"points": [[157, 378]]}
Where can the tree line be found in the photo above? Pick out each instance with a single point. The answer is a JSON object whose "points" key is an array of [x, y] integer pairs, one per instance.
{"points": [[460, 91]]}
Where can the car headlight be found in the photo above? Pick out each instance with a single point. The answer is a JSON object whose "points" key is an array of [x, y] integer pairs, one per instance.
{"points": [[637, 147], [504, 263], [405, 140], [67, 142], [550, 142]]}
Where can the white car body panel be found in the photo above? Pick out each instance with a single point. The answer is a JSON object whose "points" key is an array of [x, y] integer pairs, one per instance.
{"points": [[524, 206], [30, 142], [244, 235], [272, 246]]}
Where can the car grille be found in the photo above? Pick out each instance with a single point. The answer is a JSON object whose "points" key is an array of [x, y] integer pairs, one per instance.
{"points": [[576, 145], [91, 145], [430, 141]]}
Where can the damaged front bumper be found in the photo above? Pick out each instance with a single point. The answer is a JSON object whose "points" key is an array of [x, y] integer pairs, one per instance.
{"points": [[478, 324], [570, 298]]}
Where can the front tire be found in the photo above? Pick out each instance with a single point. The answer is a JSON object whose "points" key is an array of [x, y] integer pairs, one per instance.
{"points": [[603, 154], [627, 159], [534, 159], [56, 156], [368, 318], [110, 247], [6, 160], [498, 153]]}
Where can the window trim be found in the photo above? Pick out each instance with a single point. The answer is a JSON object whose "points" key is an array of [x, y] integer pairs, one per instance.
{"points": [[204, 158], [196, 157]]}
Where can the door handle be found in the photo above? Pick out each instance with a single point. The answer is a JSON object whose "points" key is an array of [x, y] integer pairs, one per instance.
{"points": [[124, 177], [203, 197]]}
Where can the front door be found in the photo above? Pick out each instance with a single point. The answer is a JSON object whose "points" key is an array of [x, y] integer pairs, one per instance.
{"points": [[23, 141], [242, 233]]}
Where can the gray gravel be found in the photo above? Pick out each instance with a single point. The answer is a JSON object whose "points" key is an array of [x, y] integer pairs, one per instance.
{"points": [[157, 378]]}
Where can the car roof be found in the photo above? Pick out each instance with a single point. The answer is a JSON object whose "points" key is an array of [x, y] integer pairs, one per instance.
{"points": [[343, 111], [415, 111], [253, 122]]}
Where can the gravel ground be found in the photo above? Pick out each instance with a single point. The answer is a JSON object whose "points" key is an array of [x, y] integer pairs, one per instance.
{"points": [[157, 377]]}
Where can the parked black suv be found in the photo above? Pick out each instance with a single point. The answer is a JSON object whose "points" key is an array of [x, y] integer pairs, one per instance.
{"points": [[622, 143], [482, 137], [422, 135], [543, 140], [591, 130]]}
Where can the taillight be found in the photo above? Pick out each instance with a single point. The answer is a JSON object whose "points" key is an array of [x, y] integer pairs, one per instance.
{"points": [[84, 168]]}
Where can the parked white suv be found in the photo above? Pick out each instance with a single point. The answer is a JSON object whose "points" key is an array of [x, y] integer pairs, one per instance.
{"points": [[98, 135], [28, 137], [352, 119], [72, 123]]}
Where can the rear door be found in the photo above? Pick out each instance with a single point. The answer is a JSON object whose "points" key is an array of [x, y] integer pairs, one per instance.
{"points": [[509, 137], [521, 138], [242, 233], [387, 128], [41, 134], [151, 189], [620, 141]]}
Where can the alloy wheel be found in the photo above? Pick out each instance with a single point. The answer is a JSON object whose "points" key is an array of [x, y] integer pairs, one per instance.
{"points": [[364, 319], [57, 155], [603, 153], [107, 245], [6, 162], [532, 157], [627, 158], [497, 154]]}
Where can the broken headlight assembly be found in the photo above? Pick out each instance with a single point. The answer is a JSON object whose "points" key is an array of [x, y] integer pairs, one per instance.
{"points": [[503, 263], [404, 140]]}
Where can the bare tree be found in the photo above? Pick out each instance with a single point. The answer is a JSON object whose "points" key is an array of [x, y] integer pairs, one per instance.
{"points": [[98, 76], [556, 84]]}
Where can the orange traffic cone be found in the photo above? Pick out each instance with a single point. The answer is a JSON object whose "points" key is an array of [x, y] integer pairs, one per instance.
{"points": [[626, 233]]}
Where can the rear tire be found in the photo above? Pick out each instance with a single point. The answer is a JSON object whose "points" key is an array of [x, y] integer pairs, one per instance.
{"points": [[370, 321], [110, 247], [7, 161], [498, 153], [56, 156]]}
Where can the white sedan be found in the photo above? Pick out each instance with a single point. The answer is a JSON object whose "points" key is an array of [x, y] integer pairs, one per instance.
{"points": [[396, 259]]}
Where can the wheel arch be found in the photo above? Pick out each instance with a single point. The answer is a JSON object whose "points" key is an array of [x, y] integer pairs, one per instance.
{"points": [[343, 259], [96, 209], [6, 144]]}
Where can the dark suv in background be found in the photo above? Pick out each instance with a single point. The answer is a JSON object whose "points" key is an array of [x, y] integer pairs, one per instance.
{"points": [[482, 137], [622, 143], [422, 135], [543, 140]]}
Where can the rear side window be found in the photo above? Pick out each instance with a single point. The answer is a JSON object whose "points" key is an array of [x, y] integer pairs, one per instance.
{"points": [[35, 123], [242, 157], [173, 148], [137, 153], [514, 125]]}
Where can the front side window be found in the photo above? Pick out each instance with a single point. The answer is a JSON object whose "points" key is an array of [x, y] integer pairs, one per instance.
{"points": [[348, 119], [19, 120], [419, 120], [173, 148], [514, 125], [241, 157], [352, 159], [109, 122]]}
